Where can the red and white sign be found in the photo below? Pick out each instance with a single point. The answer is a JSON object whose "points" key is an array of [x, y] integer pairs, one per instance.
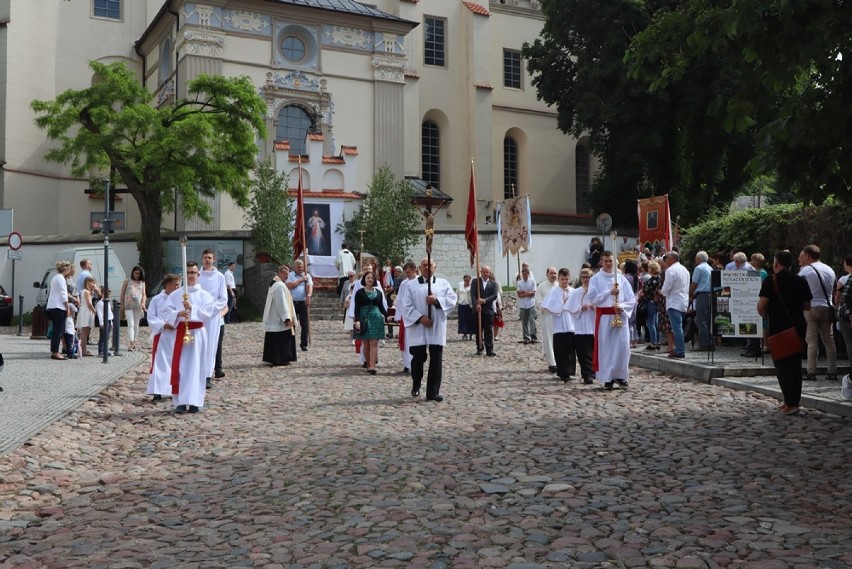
{"points": [[15, 241]]}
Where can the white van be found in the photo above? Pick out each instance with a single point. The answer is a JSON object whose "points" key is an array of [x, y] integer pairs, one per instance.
{"points": [[74, 256]]}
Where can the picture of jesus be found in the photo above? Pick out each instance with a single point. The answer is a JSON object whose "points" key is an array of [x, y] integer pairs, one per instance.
{"points": [[318, 229], [651, 220]]}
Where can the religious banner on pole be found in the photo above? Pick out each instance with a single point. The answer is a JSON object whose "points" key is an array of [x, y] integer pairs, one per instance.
{"points": [[471, 235], [655, 221], [299, 229], [514, 225]]}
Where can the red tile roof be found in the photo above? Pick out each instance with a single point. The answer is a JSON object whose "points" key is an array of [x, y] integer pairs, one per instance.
{"points": [[315, 136], [477, 8], [282, 145], [305, 159], [333, 160], [349, 150], [483, 86], [328, 194]]}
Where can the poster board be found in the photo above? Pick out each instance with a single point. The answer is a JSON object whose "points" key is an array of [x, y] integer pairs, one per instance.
{"points": [[735, 296]]}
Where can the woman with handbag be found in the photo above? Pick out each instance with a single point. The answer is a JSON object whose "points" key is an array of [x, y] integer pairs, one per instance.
{"points": [[783, 300], [370, 314]]}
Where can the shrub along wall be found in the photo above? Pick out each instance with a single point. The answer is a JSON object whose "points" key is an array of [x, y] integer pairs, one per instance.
{"points": [[770, 229]]}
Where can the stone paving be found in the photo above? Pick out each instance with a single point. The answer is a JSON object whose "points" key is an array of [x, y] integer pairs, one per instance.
{"points": [[320, 465]]}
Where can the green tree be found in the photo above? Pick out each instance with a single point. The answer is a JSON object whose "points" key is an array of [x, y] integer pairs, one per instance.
{"points": [[188, 151], [388, 218], [798, 52], [669, 141], [270, 214]]}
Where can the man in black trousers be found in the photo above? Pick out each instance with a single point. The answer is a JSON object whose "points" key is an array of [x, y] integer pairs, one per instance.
{"points": [[483, 292]]}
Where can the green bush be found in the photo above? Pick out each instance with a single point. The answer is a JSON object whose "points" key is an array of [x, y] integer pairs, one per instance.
{"points": [[767, 230]]}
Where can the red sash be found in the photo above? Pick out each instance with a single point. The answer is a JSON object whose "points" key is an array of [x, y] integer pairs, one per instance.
{"points": [[154, 351], [598, 313], [179, 332], [401, 337]]}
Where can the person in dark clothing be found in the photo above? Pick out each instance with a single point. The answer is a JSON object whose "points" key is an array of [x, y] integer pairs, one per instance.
{"points": [[784, 298]]}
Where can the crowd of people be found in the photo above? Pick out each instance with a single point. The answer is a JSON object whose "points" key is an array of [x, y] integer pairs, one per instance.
{"points": [[594, 321]]}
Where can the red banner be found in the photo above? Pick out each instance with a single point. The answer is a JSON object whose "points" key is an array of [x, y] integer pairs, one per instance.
{"points": [[299, 227], [655, 221], [471, 235]]}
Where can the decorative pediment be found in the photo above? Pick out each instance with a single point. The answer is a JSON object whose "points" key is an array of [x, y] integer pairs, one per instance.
{"points": [[295, 80]]}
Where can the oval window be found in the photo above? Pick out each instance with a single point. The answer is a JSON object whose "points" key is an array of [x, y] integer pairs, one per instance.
{"points": [[293, 48]]}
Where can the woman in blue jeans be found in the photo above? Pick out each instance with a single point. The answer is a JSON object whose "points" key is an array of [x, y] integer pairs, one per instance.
{"points": [[58, 307], [649, 291]]}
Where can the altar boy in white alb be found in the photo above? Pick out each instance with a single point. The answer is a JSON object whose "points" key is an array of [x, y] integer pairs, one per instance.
{"points": [[557, 305], [426, 328], [611, 357], [190, 359], [163, 341]]}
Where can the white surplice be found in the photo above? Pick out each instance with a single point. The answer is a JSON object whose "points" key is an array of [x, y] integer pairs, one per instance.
{"points": [[612, 343], [546, 321], [194, 355], [414, 307], [556, 303], [584, 320], [159, 380], [214, 283]]}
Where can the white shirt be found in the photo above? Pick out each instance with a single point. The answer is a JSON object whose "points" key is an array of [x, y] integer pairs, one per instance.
{"points": [[828, 278], [463, 293], [676, 287], [526, 286], [230, 283]]}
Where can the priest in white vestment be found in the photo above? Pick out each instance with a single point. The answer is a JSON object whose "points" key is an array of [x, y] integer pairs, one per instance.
{"points": [[611, 356], [279, 323], [190, 359], [425, 318], [556, 304], [162, 341], [541, 293]]}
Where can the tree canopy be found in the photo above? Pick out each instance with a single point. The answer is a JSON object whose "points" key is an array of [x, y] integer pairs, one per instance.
{"points": [[388, 218], [666, 141], [176, 154], [800, 53], [270, 214]]}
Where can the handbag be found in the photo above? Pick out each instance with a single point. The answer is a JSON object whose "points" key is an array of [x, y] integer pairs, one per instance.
{"points": [[787, 342], [827, 297], [362, 322]]}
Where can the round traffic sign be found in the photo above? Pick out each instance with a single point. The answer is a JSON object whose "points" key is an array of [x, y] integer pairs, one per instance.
{"points": [[15, 241]]}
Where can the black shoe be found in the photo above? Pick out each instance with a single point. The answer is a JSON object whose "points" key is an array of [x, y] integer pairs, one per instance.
{"points": [[405, 371], [491, 354], [535, 339], [566, 379], [219, 374], [622, 383], [831, 377], [371, 371], [415, 393], [526, 341], [588, 380], [608, 386], [157, 398], [193, 409], [304, 348], [208, 384], [364, 365], [478, 352], [551, 369], [180, 409], [810, 377], [750, 354], [436, 398]]}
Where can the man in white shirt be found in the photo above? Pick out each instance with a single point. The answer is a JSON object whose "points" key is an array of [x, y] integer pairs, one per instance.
{"points": [[425, 315], [821, 280], [676, 290], [526, 287], [213, 282], [345, 262], [231, 287], [541, 292]]}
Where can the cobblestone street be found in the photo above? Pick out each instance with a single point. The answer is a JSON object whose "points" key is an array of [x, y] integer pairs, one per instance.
{"points": [[320, 465]]}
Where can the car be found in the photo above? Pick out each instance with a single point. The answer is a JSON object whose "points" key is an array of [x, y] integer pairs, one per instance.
{"points": [[6, 307]]}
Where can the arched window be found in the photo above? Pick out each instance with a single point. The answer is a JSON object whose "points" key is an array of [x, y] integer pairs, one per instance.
{"points": [[510, 166], [431, 153], [293, 125], [165, 60], [583, 177]]}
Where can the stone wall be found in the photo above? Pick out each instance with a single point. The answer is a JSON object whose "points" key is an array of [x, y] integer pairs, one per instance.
{"points": [[450, 254]]}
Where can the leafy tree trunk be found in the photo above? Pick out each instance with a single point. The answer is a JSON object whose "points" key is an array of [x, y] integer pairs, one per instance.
{"points": [[150, 242]]}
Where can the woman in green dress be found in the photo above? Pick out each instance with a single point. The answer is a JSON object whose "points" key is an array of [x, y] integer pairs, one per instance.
{"points": [[370, 314]]}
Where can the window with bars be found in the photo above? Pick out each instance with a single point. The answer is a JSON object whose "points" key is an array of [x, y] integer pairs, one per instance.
{"points": [[293, 125], [583, 178], [511, 69], [108, 9], [435, 43], [431, 153], [510, 167]]}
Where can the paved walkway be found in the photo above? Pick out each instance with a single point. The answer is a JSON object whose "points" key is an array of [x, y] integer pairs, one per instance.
{"points": [[320, 465]]}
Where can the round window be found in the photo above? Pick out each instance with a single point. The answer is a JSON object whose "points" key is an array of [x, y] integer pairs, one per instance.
{"points": [[293, 48]]}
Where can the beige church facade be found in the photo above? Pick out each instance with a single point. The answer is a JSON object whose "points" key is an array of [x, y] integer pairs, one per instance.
{"points": [[421, 86]]}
